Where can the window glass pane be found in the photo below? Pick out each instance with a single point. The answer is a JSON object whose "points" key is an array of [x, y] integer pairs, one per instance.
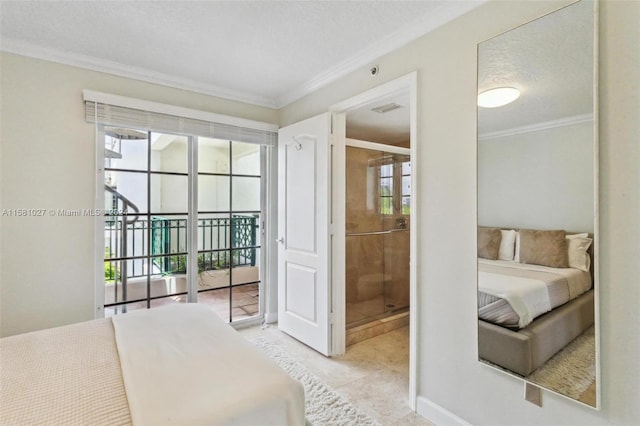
{"points": [[245, 232], [246, 159], [386, 186], [406, 185], [386, 193], [169, 285], [214, 232], [124, 280], [406, 205], [213, 267], [169, 153], [117, 229], [213, 193], [125, 148], [169, 193], [125, 192], [169, 275], [386, 205], [386, 170], [246, 193], [217, 299], [245, 302], [246, 264], [168, 235], [213, 156]]}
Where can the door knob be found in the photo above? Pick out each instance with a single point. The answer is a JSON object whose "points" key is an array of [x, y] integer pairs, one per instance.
{"points": [[280, 240]]}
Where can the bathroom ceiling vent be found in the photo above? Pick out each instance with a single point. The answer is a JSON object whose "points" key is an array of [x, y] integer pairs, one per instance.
{"points": [[386, 108]]}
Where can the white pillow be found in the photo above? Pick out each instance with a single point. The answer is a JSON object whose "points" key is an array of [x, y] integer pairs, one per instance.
{"points": [[583, 235], [507, 245], [577, 251], [516, 256]]}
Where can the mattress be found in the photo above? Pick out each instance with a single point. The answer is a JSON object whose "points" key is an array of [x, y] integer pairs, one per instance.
{"points": [[540, 288], [145, 370]]}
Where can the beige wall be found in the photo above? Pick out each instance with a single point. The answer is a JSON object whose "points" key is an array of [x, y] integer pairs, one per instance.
{"points": [[48, 161], [538, 180], [449, 375]]}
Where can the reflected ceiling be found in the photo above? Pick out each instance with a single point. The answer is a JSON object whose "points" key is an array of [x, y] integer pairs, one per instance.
{"points": [[549, 90]]}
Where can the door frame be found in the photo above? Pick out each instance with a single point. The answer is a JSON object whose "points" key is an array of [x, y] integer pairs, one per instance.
{"points": [[337, 229]]}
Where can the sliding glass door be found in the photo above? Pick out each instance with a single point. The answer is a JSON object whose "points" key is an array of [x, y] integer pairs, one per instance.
{"points": [[229, 226], [152, 209]]}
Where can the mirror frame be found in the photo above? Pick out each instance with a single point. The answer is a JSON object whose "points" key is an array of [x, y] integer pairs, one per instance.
{"points": [[595, 247]]}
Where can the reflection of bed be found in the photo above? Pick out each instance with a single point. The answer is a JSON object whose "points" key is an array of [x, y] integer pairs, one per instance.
{"points": [[529, 311], [512, 294], [524, 350], [173, 365]]}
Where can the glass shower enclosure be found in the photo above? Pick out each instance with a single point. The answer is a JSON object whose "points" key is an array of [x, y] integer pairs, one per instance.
{"points": [[378, 207]]}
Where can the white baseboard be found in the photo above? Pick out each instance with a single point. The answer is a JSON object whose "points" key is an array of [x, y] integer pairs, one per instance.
{"points": [[437, 414], [270, 317]]}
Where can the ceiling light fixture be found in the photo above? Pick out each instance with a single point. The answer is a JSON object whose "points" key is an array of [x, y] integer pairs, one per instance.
{"points": [[498, 97]]}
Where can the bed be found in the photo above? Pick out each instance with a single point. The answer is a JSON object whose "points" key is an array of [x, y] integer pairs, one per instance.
{"points": [[174, 365], [534, 298]]}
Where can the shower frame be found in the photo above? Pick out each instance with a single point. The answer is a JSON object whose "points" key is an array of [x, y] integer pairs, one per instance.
{"points": [[385, 150]]}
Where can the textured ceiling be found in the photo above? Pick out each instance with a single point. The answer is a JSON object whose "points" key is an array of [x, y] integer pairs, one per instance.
{"points": [[264, 52], [550, 60]]}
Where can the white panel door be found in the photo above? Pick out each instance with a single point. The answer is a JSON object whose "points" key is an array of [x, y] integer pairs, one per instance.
{"points": [[303, 230]]}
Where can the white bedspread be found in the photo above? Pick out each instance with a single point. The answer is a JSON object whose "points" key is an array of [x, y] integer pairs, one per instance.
{"points": [[182, 365], [528, 294], [528, 297]]}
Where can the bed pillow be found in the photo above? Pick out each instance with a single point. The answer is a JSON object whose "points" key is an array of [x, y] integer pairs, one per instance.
{"points": [[516, 254], [488, 242], [577, 246], [546, 248], [507, 245]]}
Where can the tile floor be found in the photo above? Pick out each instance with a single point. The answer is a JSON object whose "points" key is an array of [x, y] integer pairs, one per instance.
{"points": [[245, 301], [373, 374]]}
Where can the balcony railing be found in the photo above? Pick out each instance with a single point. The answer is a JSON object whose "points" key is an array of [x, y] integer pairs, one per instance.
{"points": [[222, 243]]}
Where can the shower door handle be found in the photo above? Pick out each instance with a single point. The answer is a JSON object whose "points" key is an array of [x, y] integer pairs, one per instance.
{"points": [[280, 240]]}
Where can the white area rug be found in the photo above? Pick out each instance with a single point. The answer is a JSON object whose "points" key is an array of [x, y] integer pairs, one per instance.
{"points": [[572, 370], [324, 406]]}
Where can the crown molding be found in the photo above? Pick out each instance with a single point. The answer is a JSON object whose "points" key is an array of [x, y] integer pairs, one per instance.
{"points": [[109, 67], [444, 14], [545, 125]]}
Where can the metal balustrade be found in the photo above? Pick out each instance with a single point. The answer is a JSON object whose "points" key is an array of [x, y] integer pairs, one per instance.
{"points": [[222, 243]]}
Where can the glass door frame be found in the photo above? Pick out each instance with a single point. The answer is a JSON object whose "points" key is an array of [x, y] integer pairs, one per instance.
{"points": [[192, 225]]}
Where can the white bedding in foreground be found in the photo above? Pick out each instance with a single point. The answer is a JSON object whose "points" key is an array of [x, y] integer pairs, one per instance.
{"points": [[182, 365], [527, 287]]}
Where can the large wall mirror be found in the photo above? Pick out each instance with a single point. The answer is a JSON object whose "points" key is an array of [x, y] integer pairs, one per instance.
{"points": [[537, 202]]}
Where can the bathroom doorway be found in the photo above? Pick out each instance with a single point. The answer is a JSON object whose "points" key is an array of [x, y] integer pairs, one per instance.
{"points": [[374, 217]]}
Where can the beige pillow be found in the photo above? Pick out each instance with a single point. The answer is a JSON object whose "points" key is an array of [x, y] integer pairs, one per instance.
{"points": [[546, 248], [488, 242]]}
